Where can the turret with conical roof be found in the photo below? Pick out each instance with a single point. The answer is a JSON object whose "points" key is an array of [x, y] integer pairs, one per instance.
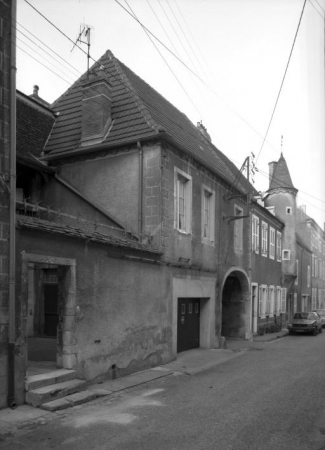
{"points": [[282, 196]]}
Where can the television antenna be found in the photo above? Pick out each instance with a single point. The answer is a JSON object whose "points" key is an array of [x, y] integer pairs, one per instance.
{"points": [[84, 38]]}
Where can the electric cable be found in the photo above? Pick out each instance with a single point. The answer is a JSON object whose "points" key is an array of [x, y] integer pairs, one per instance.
{"points": [[229, 106], [316, 9], [49, 62], [320, 6], [43, 43], [68, 82], [188, 43], [167, 64], [285, 72]]}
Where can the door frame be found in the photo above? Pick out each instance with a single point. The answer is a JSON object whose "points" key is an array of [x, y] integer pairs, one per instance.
{"points": [[66, 349], [203, 288]]}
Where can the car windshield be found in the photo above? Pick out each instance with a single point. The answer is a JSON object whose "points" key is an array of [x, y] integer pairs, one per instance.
{"points": [[304, 315], [321, 312]]}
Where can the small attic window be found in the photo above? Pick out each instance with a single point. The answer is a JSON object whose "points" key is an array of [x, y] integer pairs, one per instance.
{"points": [[289, 210]]}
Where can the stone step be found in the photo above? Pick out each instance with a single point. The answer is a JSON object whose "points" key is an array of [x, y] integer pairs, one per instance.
{"points": [[71, 400], [46, 379], [45, 394]]}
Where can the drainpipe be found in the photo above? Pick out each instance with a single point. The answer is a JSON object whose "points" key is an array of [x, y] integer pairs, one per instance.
{"points": [[140, 202], [12, 215]]}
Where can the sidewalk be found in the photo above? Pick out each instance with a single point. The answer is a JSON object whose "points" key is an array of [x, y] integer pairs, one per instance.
{"points": [[187, 363]]}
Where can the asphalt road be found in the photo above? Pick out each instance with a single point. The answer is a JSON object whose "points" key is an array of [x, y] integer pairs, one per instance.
{"points": [[270, 397]]}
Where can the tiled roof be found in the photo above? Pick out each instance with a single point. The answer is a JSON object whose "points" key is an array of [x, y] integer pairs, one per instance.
{"points": [[34, 123], [281, 176], [46, 226], [138, 111]]}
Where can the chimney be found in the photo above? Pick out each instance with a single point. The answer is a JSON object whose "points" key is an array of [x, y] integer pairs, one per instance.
{"points": [[35, 90], [272, 166], [96, 108], [203, 130]]}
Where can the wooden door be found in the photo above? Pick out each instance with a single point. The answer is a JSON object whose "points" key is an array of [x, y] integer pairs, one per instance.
{"points": [[188, 324]]}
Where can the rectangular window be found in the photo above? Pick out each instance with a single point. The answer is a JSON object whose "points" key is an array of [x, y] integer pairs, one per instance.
{"points": [[313, 298], [278, 300], [304, 302], [208, 214], [297, 271], [238, 230], [278, 246], [320, 275], [308, 276], [264, 238], [263, 301], [271, 300], [283, 300], [312, 265], [272, 243], [286, 255], [316, 267], [183, 201], [295, 302], [255, 234], [319, 298]]}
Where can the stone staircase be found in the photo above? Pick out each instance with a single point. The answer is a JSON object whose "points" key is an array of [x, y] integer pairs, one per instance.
{"points": [[52, 390]]}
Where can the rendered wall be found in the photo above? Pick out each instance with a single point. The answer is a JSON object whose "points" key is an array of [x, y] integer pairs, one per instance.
{"points": [[124, 307], [112, 182]]}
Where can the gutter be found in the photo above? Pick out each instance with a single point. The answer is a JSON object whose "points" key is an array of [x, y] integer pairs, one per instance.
{"points": [[12, 214]]}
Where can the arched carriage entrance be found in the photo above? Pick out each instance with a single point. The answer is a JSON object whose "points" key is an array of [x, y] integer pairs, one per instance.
{"points": [[236, 304]]}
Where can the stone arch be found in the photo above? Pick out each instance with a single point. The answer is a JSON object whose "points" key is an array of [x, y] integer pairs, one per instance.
{"points": [[236, 302]]}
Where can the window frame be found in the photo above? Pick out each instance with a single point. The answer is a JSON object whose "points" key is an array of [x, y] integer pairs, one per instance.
{"points": [[279, 246], [238, 229], [289, 254], [272, 243], [264, 228], [255, 234], [283, 305], [181, 177], [210, 239]]}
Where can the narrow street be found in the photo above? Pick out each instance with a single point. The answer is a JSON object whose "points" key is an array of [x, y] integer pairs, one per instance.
{"points": [[270, 397]]}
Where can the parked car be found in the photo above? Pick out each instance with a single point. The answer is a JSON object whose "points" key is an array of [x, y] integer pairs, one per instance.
{"points": [[321, 313], [305, 322]]}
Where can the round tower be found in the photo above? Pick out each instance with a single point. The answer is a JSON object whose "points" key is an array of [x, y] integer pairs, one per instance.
{"points": [[282, 196]]}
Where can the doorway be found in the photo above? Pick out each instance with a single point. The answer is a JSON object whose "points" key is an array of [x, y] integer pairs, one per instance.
{"points": [[188, 324], [236, 307]]}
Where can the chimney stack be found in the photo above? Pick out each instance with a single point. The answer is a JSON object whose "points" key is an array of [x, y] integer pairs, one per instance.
{"points": [[96, 108], [35, 90], [203, 130]]}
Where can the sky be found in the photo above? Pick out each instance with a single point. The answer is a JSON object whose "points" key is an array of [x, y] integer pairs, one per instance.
{"points": [[228, 63]]}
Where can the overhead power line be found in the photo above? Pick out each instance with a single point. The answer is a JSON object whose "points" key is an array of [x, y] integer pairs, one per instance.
{"points": [[197, 76], [41, 56], [43, 43], [184, 90], [320, 14], [43, 65], [285, 73]]}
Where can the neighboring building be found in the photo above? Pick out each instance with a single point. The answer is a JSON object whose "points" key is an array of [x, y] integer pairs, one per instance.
{"points": [[268, 295], [302, 246], [302, 287], [314, 237]]}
